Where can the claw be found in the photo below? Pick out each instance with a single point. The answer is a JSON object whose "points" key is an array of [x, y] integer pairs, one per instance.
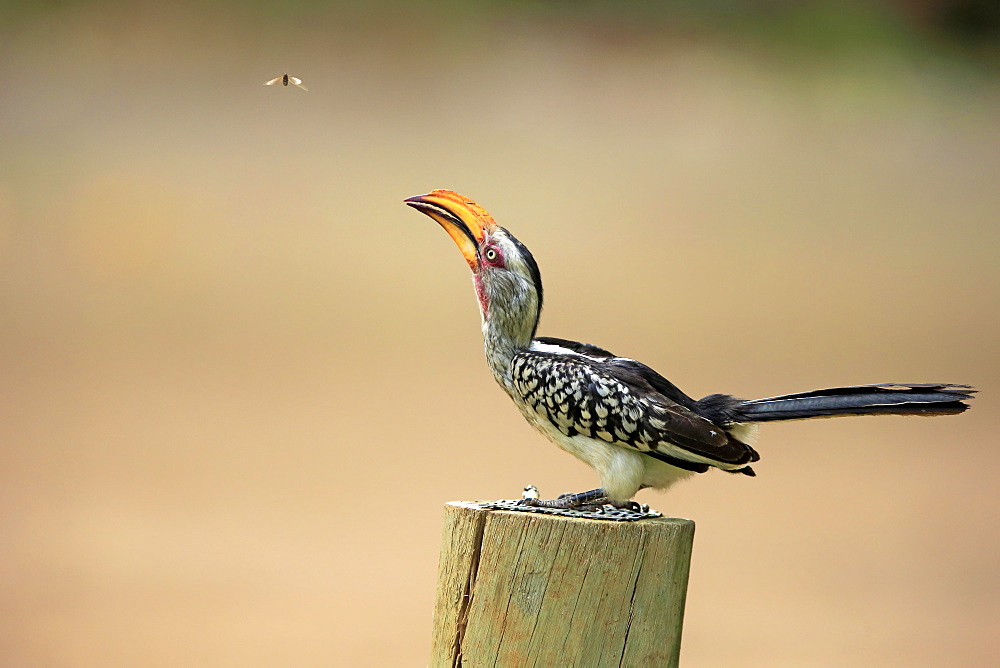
{"points": [[597, 508], [630, 506]]}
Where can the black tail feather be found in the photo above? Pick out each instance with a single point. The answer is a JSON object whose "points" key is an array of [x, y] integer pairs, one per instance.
{"points": [[885, 399]]}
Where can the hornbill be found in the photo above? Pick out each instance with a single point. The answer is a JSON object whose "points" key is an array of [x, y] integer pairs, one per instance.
{"points": [[632, 425]]}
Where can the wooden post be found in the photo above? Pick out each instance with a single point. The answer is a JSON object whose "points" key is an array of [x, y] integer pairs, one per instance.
{"points": [[526, 589]]}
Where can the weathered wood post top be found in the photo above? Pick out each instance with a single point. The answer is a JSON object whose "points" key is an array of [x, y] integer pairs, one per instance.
{"points": [[526, 589]]}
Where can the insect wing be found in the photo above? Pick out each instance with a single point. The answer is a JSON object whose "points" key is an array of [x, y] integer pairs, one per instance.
{"points": [[275, 80], [297, 81]]}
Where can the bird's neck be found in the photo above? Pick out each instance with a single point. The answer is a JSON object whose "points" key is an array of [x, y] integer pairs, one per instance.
{"points": [[509, 323]]}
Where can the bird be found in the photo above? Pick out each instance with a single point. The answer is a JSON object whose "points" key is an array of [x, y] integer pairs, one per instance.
{"points": [[633, 426], [284, 80]]}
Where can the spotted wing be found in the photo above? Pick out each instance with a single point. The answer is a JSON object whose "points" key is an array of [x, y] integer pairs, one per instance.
{"points": [[607, 399]]}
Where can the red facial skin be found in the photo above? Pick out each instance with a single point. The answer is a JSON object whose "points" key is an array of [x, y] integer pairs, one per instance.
{"points": [[484, 300], [490, 256], [497, 256]]}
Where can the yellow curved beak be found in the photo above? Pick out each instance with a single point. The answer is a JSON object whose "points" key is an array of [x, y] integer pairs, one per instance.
{"points": [[466, 222]]}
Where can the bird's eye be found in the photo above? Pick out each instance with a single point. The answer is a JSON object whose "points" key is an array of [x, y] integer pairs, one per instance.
{"points": [[492, 256]]}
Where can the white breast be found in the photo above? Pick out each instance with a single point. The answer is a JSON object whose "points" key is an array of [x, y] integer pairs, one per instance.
{"points": [[621, 469]]}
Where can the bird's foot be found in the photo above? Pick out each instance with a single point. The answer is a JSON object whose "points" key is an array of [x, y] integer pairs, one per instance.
{"points": [[593, 505], [565, 501], [632, 506], [592, 501]]}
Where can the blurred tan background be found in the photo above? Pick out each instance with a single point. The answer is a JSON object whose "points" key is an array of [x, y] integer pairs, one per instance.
{"points": [[240, 377]]}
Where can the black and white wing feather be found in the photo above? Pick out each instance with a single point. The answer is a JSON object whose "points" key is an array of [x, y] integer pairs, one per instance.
{"points": [[585, 390]]}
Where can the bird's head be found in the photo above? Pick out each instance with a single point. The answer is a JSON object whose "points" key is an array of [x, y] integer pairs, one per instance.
{"points": [[508, 283]]}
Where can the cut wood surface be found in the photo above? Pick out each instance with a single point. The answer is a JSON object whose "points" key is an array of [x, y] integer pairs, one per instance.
{"points": [[526, 589]]}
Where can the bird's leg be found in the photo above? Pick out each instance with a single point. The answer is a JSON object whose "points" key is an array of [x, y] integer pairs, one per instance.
{"points": [[594, 497], [594, 501]]}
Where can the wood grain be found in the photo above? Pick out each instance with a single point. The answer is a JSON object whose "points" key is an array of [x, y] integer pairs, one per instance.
{"points": [[524, 589]]}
